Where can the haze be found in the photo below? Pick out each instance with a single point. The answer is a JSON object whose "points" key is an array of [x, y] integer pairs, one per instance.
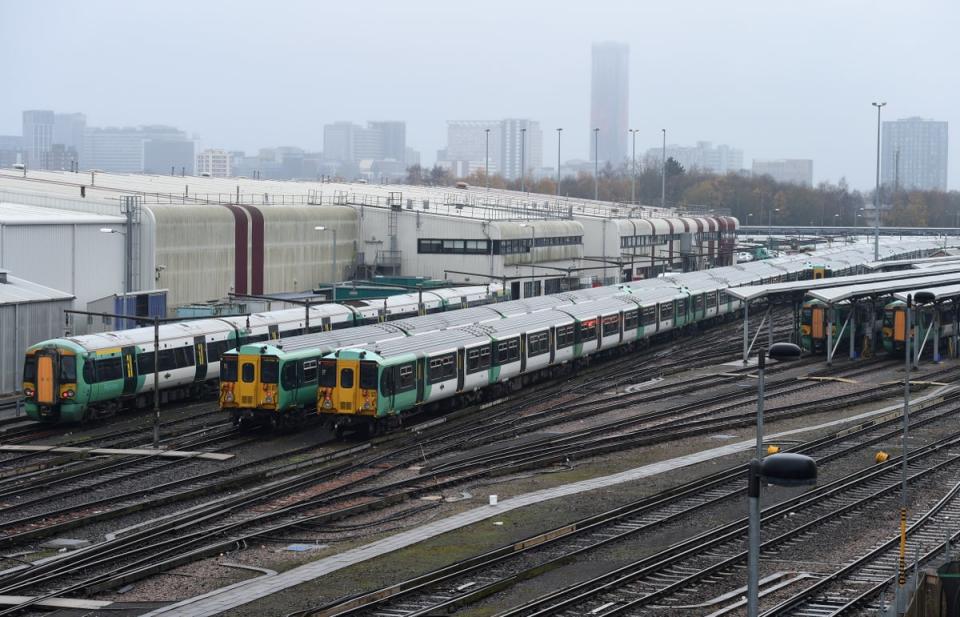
{"points": [[777, 79]]}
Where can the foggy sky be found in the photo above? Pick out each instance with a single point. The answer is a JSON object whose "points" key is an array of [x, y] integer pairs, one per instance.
{"points": [[777, 79]]}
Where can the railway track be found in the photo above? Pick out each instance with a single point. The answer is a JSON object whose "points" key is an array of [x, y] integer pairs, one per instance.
{"points": [[470, 581]]}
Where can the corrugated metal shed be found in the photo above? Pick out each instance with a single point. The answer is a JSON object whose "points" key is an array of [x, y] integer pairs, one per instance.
{"points": [[28, 313]]}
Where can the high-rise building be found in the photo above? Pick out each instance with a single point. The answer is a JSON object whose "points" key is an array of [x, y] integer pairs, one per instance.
{"points": [[350, 143], [121, 150], [214, 162], [68, 130], [521, 147], [704, 156], [37, 137], [795, 171], [11, 150], [914, 154], [393, 139], [468, 148], [609, 102]]}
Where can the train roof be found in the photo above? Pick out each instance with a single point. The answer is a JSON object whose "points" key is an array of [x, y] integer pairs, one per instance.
{"points": [[437, 341], [335, 339], [601, 307], [835, 294], [145, 336], [447, 319], [526, 323]]}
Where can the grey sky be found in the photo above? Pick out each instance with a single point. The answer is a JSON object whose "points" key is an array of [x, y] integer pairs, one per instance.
{"points": [[775, 78]]}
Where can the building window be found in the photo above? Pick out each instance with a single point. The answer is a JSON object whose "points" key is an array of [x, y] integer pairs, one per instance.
{"points": [[458, 247]]}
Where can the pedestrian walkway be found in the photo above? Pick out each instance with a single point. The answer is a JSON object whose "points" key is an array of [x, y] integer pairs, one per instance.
{"points": [[241, 593]]}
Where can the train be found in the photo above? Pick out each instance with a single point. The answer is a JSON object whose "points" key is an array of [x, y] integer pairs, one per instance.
{"points": [[895, 331], [371, 386], [86, 377]]}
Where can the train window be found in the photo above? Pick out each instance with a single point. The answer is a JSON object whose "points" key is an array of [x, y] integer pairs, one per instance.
{"points": [[538, 344], [666, 311], [346, 378], [269, 370], [68, 369], [442, 368], [368, 375], [485, 357], [565, 336], [406, 380], [215, 349], [247, 372], [108, 369], [698, 302], [508, 351], [88, 373], [309, 371], [711, 299], [473, 360], [611, 325], [387, 382], [183, 356], [631, 319], [328, 373], [648, 316], [228, 367], [30, 369], [587, 330], [681, 307]]}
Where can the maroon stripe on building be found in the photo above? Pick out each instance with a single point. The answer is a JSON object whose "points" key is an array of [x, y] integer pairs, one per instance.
{"points": [[240, 249], [256, 248]]}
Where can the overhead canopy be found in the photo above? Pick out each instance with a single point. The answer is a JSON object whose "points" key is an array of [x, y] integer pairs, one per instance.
{"points": [[754, 292], [833, 295], [900, 263], [945, 292]]}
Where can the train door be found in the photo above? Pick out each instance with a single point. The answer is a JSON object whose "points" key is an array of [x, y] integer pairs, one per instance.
{"points": [[523, 352], [553, 343], [816, 322], [128, 360], [46, 380], [274, 332], [515, 290], [346, 394], [421, 377], [460, 371], [248, 382], [200, 356], [326, 324], [899, 325]]}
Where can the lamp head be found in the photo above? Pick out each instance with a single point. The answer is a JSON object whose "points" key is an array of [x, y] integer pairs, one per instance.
{"points": [[924, 297], [784, 352], [789, 469]]}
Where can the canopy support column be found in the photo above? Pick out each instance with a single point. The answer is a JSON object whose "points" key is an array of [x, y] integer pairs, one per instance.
{"points": [[829, 312], [853, 331], [956, 327], [936, 334], [746, 331]]}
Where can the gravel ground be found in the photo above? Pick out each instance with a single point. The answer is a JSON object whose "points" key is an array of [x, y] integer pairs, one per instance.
{"points": [[209, 574]]}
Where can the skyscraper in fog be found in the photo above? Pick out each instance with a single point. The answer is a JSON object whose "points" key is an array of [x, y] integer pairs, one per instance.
{"points": [[37, 137], [609, 101], [922, 162]]}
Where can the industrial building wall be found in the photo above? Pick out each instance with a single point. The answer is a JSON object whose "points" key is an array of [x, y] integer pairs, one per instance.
{"points": [[71, 257], [195, 246], [22, 325], [296, 255]]}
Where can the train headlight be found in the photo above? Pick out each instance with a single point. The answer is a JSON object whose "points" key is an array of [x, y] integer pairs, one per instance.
{"points": [[366, 404], [268, 398], [228, 397], [327, 404], [28, 391]]}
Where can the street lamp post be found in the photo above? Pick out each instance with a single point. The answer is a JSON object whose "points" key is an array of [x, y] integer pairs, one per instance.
{"points": [[776, 469], [334, 276], [486, 164], [533, 245], [633, 170], [596, 164], [558, 161], [126, 269], [523, 161], [876, 192], [785, 469]]}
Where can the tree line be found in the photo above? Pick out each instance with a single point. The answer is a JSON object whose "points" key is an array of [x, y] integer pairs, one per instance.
{"points": [[753, 200]]}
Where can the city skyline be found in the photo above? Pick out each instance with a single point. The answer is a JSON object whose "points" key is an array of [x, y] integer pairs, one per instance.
{"points": [[748, 99]]}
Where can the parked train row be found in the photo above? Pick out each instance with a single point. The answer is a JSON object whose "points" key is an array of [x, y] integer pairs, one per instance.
{"points": [[889, 329], [84, 377], [372, 383], [76, 378]]}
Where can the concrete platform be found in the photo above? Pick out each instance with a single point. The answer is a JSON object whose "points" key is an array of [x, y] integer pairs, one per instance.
{"points": [[226, 598], [209, 456]]}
